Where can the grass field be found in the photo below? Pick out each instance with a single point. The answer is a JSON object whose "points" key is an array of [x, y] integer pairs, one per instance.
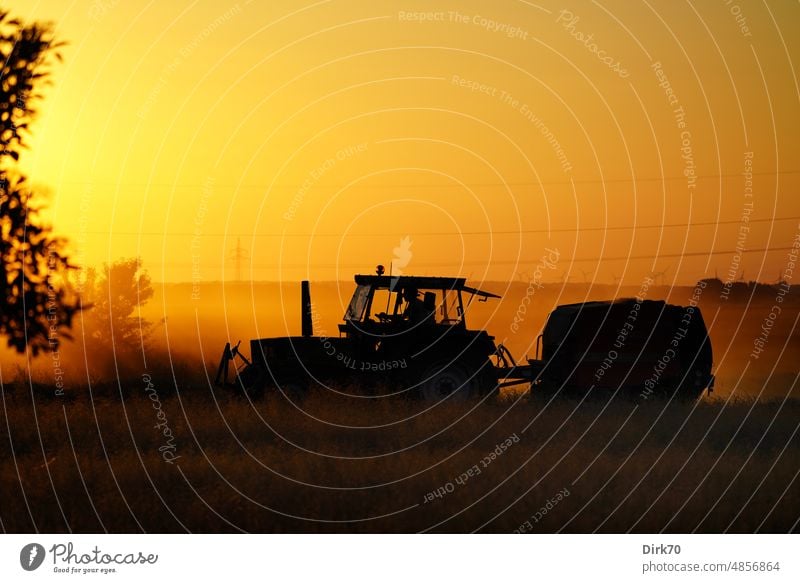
{"points": [[139, 457]]}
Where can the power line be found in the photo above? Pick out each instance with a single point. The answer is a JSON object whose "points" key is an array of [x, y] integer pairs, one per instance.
{"points": [[443, 233], [263, 186], [510, 262]]}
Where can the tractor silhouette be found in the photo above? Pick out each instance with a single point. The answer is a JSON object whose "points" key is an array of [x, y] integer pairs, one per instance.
{"points": [[409, 334]]}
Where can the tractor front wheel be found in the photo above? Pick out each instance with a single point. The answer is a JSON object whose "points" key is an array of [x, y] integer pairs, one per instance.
{"points": [[295, 389], [251, 381]]}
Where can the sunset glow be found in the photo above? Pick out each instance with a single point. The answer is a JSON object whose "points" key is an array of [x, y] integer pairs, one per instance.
{"points": [[321, 134]]}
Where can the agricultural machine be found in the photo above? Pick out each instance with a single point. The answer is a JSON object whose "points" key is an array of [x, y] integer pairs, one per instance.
{"points": [[639, 348], [410, 334]]}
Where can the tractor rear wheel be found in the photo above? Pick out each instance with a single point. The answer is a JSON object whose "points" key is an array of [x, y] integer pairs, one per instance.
{"points": [[486, 382], [295, 389], [444, 380]]}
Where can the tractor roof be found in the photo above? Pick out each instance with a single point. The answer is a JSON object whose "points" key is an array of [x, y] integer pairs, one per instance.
{"points": [[420, 282]]}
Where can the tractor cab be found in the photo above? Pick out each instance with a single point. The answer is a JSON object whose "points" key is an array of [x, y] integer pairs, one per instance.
{"points": [[392, 304]]}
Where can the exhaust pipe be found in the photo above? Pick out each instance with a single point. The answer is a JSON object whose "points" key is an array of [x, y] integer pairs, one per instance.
{"points": [[305, 309]]}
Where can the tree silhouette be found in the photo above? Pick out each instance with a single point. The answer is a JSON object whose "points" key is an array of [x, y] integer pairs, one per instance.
{"points": [[34, 287], [115, 297]]}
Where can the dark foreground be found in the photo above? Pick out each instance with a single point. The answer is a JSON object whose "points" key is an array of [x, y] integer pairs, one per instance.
{"points": [[200, 462]]}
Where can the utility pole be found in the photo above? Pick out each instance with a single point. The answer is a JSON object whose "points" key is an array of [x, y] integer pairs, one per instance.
{"points": [[238, 254], [659, 276]]}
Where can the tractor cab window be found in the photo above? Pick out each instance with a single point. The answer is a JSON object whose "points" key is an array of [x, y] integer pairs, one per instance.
{"points": [[440, 306], [395, 305], [384, 304], [407, 300], [355, 311], [450, 309]]}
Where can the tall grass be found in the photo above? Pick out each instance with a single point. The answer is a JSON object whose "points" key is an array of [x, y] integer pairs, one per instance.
{"points": [[91, 463]]}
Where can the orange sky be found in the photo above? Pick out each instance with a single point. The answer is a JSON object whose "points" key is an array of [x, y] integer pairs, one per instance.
{"points": [[323, 133]]}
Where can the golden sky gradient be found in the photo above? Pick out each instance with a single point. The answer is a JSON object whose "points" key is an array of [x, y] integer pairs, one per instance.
{"points": [[321, 134]]}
